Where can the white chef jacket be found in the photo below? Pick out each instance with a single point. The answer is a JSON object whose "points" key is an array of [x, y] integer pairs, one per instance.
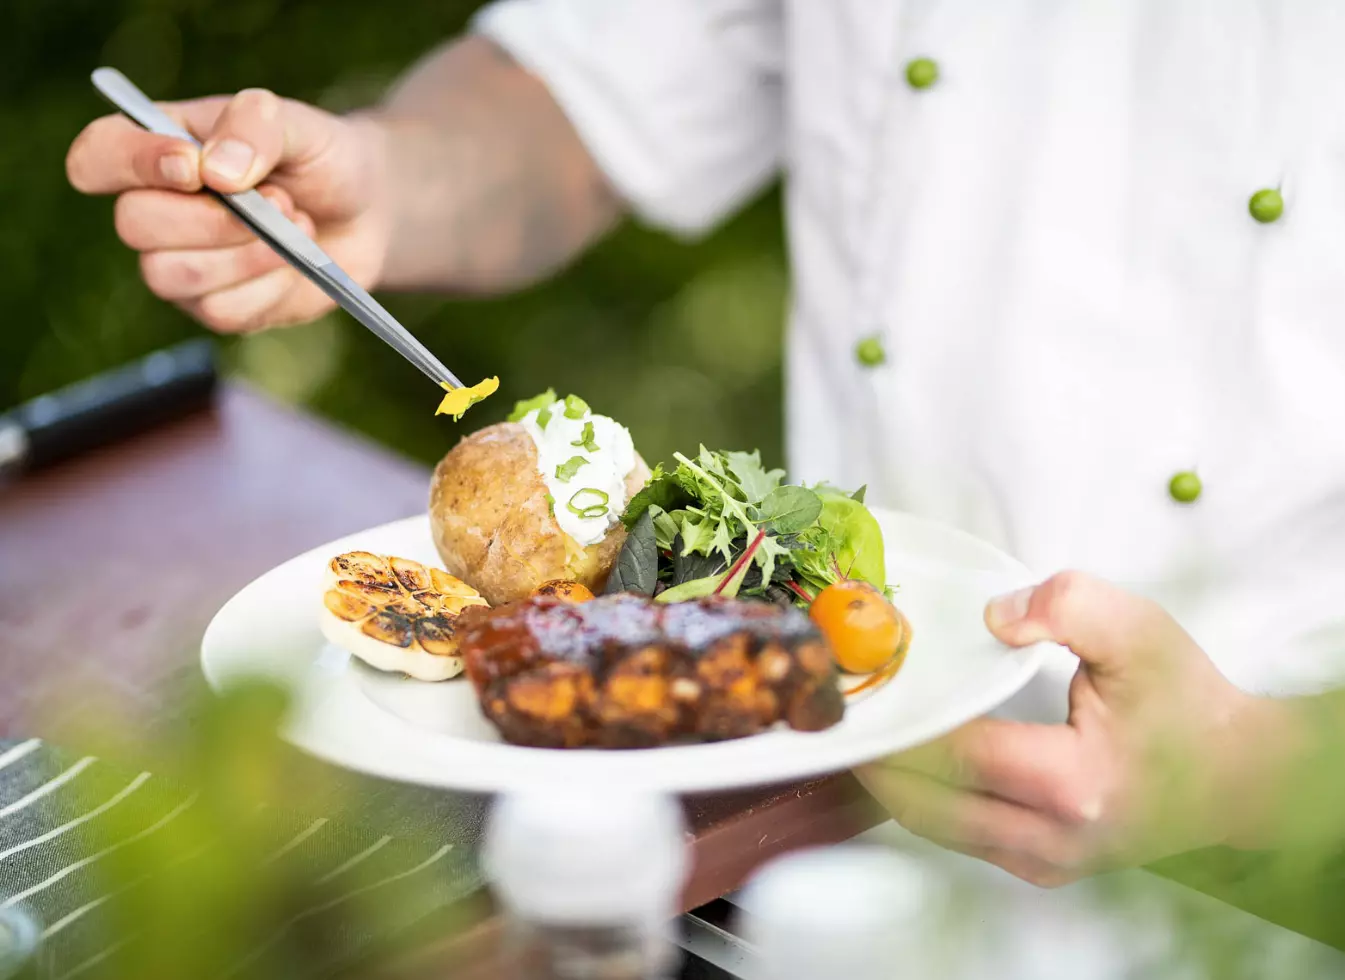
{"points": [[1054, 246], [1053, 243]]}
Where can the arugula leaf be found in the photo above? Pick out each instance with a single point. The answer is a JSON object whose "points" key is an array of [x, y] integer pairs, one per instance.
{"points": [[706, 475], [858, 495], [575, 407], [697, 534], [565, 471], [522, 408], [752, 478], [586, 441], [636, 568], [788, 510], [771, 552], [722, 542]]}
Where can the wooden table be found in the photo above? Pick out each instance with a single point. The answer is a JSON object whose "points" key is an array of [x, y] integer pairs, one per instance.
{"points": [[112, 565]]}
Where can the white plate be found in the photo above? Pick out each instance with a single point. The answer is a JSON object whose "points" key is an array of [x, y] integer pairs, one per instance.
{"points": [[434, 734]]}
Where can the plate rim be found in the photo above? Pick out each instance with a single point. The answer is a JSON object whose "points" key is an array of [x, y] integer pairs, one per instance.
{"points": [[1028, 663]]}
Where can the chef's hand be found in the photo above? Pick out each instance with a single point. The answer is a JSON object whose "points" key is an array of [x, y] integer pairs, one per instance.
{"points": [[1161, 754], [321, 170]]}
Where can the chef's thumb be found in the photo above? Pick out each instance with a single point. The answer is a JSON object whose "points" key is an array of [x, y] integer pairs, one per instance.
{"points": [[1107, 628]]}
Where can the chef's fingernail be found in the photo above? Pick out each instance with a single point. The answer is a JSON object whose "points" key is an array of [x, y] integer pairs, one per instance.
{"points": [[1091, 811], [1008, 609], [230, 159], [176, 169]]}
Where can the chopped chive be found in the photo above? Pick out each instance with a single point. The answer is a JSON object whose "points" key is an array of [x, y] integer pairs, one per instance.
{"points": [[522, 408], [586, 440], [575, 407], [595, 509], [566, 470]]}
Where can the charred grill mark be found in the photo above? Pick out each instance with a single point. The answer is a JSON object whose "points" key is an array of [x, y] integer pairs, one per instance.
{"points": [[411, 575], [430, 600], [370, 591], [363, 566], [435, 634], [391, 628]]}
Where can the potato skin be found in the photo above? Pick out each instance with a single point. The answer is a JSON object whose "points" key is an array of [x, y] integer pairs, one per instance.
{"points": [[493, 527]]}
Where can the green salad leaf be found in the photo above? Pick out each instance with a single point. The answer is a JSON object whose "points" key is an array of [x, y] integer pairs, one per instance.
{"points": [[686, 567], [696, 588], [755, 481], [662, 491], [788, 510], [665, 529], [697, 534], [718, 511], [636, 568], [846, 542]]}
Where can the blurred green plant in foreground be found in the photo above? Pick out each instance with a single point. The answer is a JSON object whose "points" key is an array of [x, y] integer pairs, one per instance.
{"points": [[217, 883], [219, 886], [682, 343]]}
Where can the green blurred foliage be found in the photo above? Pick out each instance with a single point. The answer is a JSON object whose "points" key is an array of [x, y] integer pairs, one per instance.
{"points": [[209, 889], [204, 892], [682, 343]]}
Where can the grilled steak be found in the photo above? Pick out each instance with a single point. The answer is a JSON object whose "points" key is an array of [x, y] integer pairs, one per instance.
{"points": [[623, 671]]}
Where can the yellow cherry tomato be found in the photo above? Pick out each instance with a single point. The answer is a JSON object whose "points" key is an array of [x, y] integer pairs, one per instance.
{"points": [[864, 630]]}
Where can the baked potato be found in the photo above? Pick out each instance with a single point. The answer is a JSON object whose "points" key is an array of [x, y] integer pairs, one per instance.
{"points": [[493, 522]]}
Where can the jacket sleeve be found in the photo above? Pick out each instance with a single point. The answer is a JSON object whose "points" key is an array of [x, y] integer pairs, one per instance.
{"points": [[679, 101]]}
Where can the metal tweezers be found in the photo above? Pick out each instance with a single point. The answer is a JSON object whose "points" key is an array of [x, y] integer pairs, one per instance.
{"points": [[272, 227]]}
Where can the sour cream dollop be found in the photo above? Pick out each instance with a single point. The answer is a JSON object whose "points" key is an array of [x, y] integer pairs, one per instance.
{"points": [[587, 485]]}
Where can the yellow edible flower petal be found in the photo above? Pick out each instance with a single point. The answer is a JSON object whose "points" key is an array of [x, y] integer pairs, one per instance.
{"points": [[458, 400]]}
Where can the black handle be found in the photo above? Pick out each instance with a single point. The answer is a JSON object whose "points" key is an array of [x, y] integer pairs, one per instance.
{"points": [[112, 406]]}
